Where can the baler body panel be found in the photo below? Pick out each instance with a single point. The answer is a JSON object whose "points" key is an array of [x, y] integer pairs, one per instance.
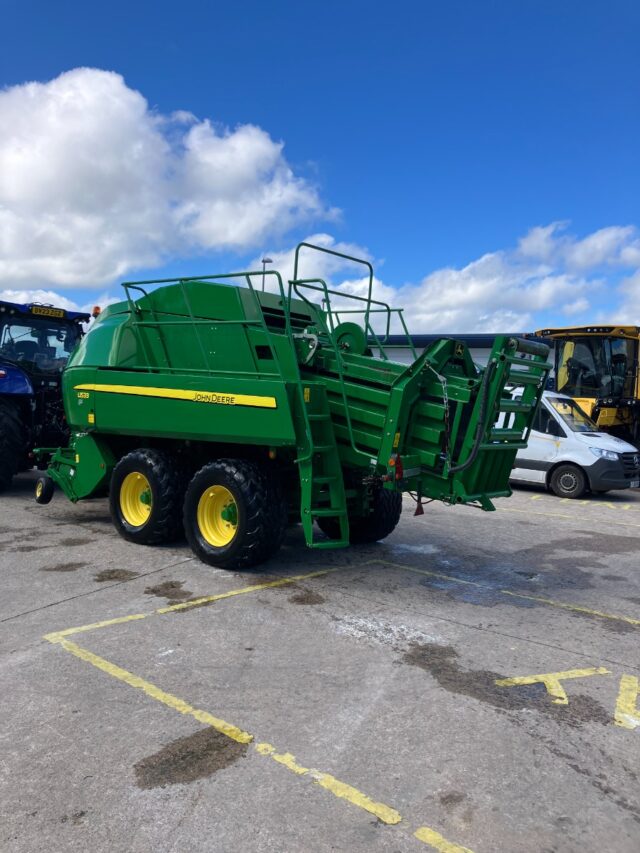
{"points": [[199, 361]]}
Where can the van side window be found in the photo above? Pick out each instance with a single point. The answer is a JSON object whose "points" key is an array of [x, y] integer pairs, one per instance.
{"points": [[544, 422]]}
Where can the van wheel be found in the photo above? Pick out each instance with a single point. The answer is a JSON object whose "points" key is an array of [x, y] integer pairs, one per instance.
{"points": [[234, 514], [145, 497], [568, 481]]}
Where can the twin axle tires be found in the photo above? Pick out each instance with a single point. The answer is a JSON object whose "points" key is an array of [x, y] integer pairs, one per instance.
{"points": [[232, 511]]}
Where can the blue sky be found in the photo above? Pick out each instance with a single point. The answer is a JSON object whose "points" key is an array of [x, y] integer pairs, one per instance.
{"points": [[433, 135]]}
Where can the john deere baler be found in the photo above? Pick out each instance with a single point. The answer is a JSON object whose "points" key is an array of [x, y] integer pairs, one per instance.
{"points": [[209, 406]]}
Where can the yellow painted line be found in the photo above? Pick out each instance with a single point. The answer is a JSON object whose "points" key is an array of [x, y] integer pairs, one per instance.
{"points": [[578, 608], [56, 636], [551, 681], [156, 693], [223, 398], [627, 713], [339, 789], [435, 840], [564, 515]]}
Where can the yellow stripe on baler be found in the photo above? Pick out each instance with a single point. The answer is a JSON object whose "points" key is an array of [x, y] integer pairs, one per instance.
{"points": [[217, 397]]}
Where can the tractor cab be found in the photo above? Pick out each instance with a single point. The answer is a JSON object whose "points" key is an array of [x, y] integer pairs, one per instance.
{"points": [[36, 338], [35, 344]]}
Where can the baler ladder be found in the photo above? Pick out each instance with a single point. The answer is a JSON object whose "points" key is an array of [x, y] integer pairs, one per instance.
{"points": [[322, 493]]}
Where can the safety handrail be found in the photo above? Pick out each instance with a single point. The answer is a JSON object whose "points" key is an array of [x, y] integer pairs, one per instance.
{"points": [[293, 284], [335, 254], [385, 309]]}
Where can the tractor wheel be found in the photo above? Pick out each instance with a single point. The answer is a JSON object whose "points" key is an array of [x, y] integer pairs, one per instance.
{"points": [[145, 497], [11, 443], [380, 523], [568, 481], [44, 490], [234, 514]]}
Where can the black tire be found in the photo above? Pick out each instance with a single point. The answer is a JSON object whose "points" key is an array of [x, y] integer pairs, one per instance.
{"points": [[257, 521], [11, 442], [163, 522], [44, 490], [380, 523], [568, 481]]}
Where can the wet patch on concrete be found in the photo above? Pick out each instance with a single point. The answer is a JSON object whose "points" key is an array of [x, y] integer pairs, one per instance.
{"points": [[613, 577], [452, 798], [64, 567], [189, 758], [75, 818], [74, 541], [28, 549], [442, 663], [306, 596], [171, 590], [114, 575]]}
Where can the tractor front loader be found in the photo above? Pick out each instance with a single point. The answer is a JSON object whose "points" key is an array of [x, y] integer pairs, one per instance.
{"points": [[211, 407]]}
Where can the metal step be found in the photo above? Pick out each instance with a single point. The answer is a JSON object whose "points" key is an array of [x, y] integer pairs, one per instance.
{"points": [[514, 406], [331, 512], [526, 362], [506, 434], [514, 445], [519, 377]]}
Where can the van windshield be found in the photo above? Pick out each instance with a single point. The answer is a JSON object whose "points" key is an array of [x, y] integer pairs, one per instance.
{"points": [[572, 414]]}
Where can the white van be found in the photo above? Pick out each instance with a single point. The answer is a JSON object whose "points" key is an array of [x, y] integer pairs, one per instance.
{"points": [[566, 453]]}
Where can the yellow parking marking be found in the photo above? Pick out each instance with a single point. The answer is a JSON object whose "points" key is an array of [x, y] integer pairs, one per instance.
{"points": [[435, 840], [564, 515], [339, 789], [578, 608], [155, 692], [596, 504], [56, 636], [551, 681], [627, 713]]}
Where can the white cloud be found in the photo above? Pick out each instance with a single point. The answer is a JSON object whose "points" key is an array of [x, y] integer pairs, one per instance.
{"points": [[505, 290], [93, 183]]}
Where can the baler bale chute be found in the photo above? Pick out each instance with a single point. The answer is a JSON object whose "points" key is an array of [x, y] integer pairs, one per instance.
{"points": [[210, 406]]}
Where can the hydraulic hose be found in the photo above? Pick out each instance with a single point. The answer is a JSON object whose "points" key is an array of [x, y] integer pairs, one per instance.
{"points": [[484, 394]]}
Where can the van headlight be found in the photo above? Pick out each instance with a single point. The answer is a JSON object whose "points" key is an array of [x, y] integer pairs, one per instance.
{"points": [[604, 454]]}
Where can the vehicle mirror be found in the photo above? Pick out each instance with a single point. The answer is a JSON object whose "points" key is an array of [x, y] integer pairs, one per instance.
{"points": [[554, 428]]}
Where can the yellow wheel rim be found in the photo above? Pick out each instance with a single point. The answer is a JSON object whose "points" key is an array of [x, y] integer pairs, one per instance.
{"points": [[135, 499], [217, 516], [38, 489]]}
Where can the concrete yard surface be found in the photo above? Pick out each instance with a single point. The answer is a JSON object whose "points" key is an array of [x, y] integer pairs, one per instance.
{"points": [[470, 684]]}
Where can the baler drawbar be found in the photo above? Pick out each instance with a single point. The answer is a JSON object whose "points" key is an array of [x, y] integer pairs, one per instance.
{"points": [[214, 408]]}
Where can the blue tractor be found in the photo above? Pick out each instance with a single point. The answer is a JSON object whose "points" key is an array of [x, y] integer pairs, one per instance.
{"points": [[35, 344]]}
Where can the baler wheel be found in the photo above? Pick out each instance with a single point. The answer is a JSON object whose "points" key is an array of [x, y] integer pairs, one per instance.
{"points": [[380, 523], [234, 514], [11, 442], [145, 497]]}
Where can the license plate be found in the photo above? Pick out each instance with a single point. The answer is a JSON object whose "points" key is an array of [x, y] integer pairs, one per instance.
{"points": [[635, 484]]}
